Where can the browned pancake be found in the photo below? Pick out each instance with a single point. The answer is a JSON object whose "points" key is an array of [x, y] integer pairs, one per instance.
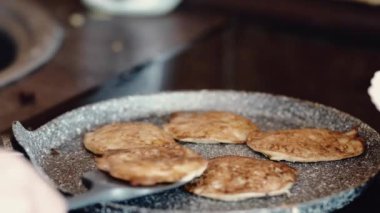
{"points": [[152, 165], [209, 127], [233, 178], [306, 145], [125, 135]]}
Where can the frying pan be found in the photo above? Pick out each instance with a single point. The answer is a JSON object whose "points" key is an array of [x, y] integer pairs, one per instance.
{"points": [[56, 149]]}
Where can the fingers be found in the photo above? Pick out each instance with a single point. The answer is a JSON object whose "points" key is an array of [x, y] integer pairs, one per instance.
{"points": [[23, 190]]}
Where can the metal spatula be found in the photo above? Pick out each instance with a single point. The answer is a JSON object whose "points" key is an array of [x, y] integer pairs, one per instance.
{"points": [[105, 188]]}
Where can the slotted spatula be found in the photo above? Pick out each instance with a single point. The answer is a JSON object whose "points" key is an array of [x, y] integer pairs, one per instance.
{"points": [[105, 188]]}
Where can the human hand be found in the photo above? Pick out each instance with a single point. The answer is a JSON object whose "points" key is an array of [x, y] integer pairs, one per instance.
{"points": [[374, 90], [23, 190]]}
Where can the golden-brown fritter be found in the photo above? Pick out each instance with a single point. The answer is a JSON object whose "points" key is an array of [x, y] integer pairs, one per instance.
{"points": [[233, 178], [306, 145], [209, 127], [125, 135], [153, 165]]}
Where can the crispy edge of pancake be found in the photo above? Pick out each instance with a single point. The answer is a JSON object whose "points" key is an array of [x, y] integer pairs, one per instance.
{"points": [[208, 141], [172, 127], [279, 156], [93, 144], [247, 195], [184, 166], [238, 196]]}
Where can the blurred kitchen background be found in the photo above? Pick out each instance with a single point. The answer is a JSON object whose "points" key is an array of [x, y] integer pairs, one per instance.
{"points": [[56, 55]]}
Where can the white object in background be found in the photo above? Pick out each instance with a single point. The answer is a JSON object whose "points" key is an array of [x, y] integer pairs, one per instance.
{"points": [[374, 90], [133, 7]]}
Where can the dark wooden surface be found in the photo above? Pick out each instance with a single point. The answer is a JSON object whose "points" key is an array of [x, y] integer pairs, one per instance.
{"points": [[248, 51], [339, 16]]}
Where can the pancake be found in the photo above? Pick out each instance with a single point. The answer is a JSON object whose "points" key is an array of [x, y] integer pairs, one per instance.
{"points": [[153, 165], [209, 127], [306, 145], [234, 178], [125, 135]]}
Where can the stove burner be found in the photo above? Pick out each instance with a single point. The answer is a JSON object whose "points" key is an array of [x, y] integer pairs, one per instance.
{"points": [[29, 37], [8, 50]]}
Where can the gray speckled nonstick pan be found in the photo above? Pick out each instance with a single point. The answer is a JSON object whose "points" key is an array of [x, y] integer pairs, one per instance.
{"points": [[56, 148]]}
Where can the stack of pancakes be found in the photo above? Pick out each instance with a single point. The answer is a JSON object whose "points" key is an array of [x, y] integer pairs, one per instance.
{"points": [[144, 154]]}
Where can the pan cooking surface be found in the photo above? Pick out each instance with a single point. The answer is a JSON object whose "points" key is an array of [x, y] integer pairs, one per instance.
{"points": [[57, 148]]}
